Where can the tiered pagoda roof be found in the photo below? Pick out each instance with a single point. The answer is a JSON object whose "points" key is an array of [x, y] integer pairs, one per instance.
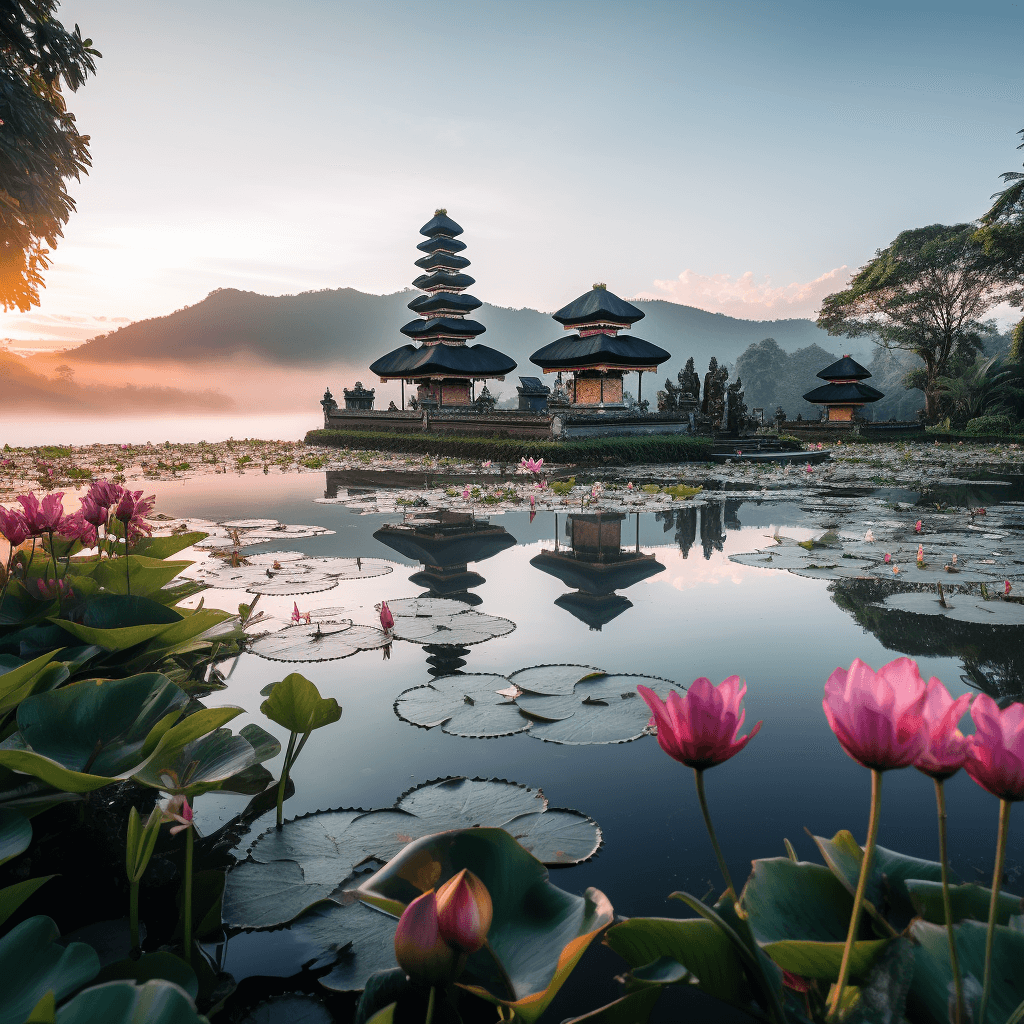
{"points": [[443, 329], [598, 316], [845, 385]]}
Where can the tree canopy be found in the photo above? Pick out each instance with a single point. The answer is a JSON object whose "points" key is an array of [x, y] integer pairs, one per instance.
{"points": [[925, 293], [41, 147]]}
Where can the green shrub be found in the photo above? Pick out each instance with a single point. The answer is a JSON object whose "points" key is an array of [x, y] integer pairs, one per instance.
{"points": [[989, 425], [656, 448]]}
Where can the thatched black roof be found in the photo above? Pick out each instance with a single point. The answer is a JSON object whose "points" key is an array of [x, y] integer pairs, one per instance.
{"points": [[598, 304], [598, 350], [475, 361], [844, 369], [851, 393], [440, 224]]}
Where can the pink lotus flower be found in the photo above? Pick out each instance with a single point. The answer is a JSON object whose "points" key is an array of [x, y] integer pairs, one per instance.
{"points": [[420, 948], [44, 518], [946, 746], [1007, 587], [486, 465], [953, 559], [920, 552], [177, 809], [54, 590], [869, 537], [132, 510], [918, 526], [533, 501], [808, 468], [530, 466], [995, 753], [298, 616], [13, 526], [878, 717], [629, 486], [701, 729], [94, 513], [465, 492], [464, 911], [387, 620], [105, 493], [888, 558]]}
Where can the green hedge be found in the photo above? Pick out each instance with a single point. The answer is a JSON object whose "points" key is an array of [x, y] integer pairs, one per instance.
{"points": [[645, 449]]}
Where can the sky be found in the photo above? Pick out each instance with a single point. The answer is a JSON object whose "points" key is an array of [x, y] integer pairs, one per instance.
{"points": [[739, 157]]}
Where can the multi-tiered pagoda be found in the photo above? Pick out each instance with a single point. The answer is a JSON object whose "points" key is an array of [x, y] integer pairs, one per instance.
{"points": [[443, 366], [595, 355], [845, 393]]}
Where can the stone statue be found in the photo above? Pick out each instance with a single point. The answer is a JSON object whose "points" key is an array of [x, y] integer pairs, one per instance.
{"points": [[709, 378], [737, 418], [485, 401], [689, 380], [392, 407], [559, 395], [714, 394]]}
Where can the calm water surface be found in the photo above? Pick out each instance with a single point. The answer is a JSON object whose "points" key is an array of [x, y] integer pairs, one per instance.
{"points": [[699, 615]]}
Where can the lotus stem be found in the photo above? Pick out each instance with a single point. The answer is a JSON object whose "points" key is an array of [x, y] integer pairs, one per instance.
{"points": [[285, 768], [133, 914], [993, 907], [430, 1005], [127, 565], [698, 774], [858, 899], [187, 903], [947, 903]]}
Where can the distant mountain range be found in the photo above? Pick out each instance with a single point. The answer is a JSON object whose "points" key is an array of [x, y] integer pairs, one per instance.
{"points": [[345, 326]]}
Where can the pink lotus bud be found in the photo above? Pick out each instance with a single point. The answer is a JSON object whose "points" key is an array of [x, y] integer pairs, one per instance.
{"points": [[917, 526], [296, 614], [420, 949], [808, 468], [920, 552], [1007, 587], [995, 753], [629, 486], [465, 492], [486, 465], [888, 558], [464, 911], [533, 501], [387, 620], [953, 559], [944, 753]]}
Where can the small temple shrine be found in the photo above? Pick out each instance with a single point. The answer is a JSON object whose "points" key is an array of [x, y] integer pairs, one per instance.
{"points": [[595, 355], [845, 393], [596, 566], [443, 366]]}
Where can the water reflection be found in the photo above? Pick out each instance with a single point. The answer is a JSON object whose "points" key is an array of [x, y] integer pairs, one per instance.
{"points": [[992, 656], [597, 565], [710, 520], [445, 543]]}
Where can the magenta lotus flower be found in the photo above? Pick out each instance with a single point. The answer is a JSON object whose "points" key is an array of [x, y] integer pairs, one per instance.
{"points": [[420, 949], [918, 526], [105, 493], [1007, 586], [94, 513], [13, 526], [995, 753], [701, 729], [54, 590], [878, 717], [132, 510], [888, 558], [45, 517], [531, 466], [464, 911], [946, 747], [533, 501], [808, 468], [177, 809], [486, 465], [387, 620]]}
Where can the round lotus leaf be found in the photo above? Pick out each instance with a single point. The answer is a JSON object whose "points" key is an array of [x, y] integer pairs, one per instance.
{"points": [[604, 709], [381, 834], [348, 568], [961, 607], [466, 628], [287, 584], [327, 643], [462, 803], [424, 607], [330, 614], [213, 542], [550, 679], [280, 532], [846, 570], [230, 578], [934, 572], [464, 705], [359, 940], [292, 1008], [270, 557], [249, 524], [556, 836]]}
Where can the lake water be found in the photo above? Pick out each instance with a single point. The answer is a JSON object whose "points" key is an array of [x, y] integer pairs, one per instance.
{"points": [[699, 614]]}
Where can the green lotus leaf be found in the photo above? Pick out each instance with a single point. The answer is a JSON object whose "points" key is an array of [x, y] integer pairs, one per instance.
{"points": [[968, 902], [164, 547], [292, 868], [150, 967], [32, 964], [12, 897], [822, 959], [200, 765], [885, 890], [933, 978], [15, 834], [296, 704], [538, 933], [634, 1008], [694, 943], [148, 575], [18, 683], [122, 1002], [465, 704], [117, 639]]}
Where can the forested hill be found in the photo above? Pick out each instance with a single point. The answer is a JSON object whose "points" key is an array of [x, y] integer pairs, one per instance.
{"points": [[347, 326]]}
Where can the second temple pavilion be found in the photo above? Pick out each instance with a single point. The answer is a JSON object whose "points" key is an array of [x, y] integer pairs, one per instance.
{"points": [[444, 366], [595, 355]]}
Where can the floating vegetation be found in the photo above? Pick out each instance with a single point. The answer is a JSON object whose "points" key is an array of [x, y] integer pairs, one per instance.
{"points": [[581, 705], [310, 858], [436, 621], [320, 641]]}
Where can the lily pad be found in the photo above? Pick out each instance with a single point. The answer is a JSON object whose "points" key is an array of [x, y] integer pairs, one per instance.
{"points": [[319, 642], [463, 705], [250, 524], [960, 607], [275, 533], [550, 679], [424, 607], [932, 573], [305, 862], [288, 583], [270, 557], [292, 1008], [347, 568], [464, 629], [601, 709]]}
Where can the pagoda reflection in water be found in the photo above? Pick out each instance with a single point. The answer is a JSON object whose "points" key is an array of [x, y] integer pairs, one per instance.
{"points": [[708, 521], [596, 565], [446, 543]]}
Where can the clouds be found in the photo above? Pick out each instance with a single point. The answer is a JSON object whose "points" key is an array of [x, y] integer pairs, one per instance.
{"points": [[70, 329], [749, 299]]}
